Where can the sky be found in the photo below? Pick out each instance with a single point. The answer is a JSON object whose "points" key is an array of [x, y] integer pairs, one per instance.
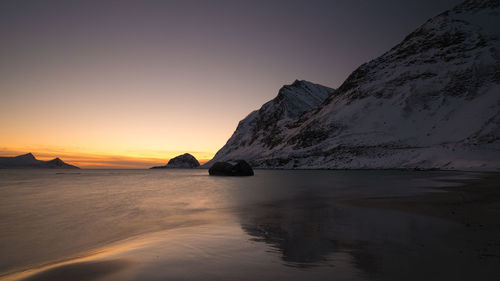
{"points": [[131, 84]]}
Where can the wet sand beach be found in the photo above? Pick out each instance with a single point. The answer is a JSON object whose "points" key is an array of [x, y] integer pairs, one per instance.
{"points": [[474, 205], [279, 225]]}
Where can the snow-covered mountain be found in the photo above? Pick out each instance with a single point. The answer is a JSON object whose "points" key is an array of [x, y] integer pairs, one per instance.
{"points": [[264, 129], [432, 101], [28, 161]]}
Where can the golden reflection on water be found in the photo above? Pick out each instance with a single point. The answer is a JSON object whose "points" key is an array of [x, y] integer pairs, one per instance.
{"points": [[202, 252], [118, 251], [183, 242], [136, 241]]}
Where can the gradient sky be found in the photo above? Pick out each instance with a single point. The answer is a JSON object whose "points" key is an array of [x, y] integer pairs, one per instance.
{"points": [[134, 83]]}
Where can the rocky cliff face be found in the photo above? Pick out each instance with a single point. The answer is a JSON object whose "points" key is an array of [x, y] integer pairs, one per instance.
{"points": [[184, 161], [265, 129], [432, 101], [28, 161]]}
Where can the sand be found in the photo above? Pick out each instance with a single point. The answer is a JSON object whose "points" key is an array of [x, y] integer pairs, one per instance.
{"points": [[446, 233]]}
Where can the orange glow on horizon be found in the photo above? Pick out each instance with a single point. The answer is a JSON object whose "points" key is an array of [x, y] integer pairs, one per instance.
{"points": [[106, 161]]}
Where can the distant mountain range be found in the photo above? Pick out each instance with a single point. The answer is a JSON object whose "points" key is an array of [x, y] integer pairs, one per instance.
{"points": [[28, 161], [432, 101]]}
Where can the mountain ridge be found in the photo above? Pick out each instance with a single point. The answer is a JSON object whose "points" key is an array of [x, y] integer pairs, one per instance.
{"points": [[429, 102], [28, 161], [262, 127]]}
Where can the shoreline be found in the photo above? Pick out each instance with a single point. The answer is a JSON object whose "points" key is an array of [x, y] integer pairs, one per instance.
{"points": [[483, 191], [474, 206]]}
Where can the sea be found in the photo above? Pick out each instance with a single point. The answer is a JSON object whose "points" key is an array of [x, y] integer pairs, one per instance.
{"points": [[182, 224]]}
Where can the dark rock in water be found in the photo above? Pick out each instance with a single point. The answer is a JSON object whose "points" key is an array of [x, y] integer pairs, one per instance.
{"points": [[28, 161], [238, 168], [184, 161]]}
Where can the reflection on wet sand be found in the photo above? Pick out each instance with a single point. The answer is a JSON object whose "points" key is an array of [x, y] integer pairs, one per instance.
{"points": [[300, 230], [315, 240], [201, 228], [319, 238], [383, 244]]}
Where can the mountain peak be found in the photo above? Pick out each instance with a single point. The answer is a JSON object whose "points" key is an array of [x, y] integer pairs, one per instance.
{"points": [[300, 96], [429, 102], [58, 163], [27, 156], [299, 84], [262, 128], [29, 161]]}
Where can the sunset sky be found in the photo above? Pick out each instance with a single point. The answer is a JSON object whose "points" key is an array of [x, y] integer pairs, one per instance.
{"points": [[130, 84]]}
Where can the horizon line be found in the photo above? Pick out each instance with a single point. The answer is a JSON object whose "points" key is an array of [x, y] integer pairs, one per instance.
{"points": [[105, 161]]}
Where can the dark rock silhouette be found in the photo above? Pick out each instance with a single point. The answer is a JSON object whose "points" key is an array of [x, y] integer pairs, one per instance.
{"points": [[28, 161], [184, 161], [238, 168]]}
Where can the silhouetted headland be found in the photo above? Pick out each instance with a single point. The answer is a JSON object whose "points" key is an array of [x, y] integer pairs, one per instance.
{"points": [[28, 161], [184, 161]]}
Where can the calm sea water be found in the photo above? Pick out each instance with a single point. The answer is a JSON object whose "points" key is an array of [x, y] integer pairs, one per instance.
{"points": [[186, 225]]}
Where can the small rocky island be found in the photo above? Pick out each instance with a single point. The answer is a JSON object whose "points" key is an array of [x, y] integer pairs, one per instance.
{"points": [[184, 161], [28, 161], [236, 168]]}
